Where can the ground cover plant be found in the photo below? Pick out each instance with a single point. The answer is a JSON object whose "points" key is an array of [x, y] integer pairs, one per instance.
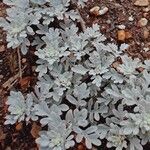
{"points": [[80, 95]]}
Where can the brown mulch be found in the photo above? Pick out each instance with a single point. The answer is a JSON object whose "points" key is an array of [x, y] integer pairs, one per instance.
{"points": [[10, 137], [20, 137]]}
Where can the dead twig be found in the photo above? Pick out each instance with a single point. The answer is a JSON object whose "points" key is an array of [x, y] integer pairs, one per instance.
{"points": [[82, 22], [19, 63], [11, 81]]}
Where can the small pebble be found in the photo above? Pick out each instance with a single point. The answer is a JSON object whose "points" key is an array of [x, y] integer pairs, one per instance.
{"points": [[24, 60], [2, 48], [121, 35], [33, 68], [121, 26], [146, 49], [147, 9], [142, 43], [138, 43], [1, 14], [95, 10], [108, 21], [103, 11], [146, 33], [8, 148], [143, 22], [141, 3], [1, 76], [131, 18], [145, 14]]}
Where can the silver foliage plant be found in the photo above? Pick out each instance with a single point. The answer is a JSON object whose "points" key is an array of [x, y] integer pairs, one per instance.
{"points": [[79, 96]]}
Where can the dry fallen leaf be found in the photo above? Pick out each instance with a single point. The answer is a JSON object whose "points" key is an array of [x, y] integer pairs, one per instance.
{"points": [[81, 147], [115, 64], [5, 106], [19, 126], [25, 82], [35, 130], [140, 69], [2, 134]]}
